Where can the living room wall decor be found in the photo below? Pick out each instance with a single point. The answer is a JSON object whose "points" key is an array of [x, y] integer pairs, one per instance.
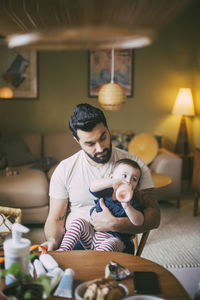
{"points": [[18, 71], [100, 70]]}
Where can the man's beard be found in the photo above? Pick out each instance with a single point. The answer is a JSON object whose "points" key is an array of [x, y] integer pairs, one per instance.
{"points": [[102, 159]]}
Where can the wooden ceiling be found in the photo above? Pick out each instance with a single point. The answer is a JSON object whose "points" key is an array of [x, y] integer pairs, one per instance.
{"points": [[85, 24]]}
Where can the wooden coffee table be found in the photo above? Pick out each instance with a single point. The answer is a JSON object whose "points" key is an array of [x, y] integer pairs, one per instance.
{"points": [[89, 265]]}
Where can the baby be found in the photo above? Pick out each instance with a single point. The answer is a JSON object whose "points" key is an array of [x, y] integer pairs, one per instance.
{"points": [[122, 203]]}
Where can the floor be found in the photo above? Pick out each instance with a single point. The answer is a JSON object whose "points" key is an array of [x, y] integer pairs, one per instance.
{"points": [[188, 277]]}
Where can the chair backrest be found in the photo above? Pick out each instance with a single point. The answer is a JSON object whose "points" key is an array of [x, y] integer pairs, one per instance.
{"points": [[139, 248], [196, 171]]}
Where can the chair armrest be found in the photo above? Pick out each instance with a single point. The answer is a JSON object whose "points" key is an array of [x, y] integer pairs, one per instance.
{"points": [[164, 161], [168, 163]]}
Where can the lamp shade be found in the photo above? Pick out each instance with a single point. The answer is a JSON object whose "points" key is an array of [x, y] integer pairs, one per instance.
{"points": [[184, 103], [112, 96], [6, 92]]}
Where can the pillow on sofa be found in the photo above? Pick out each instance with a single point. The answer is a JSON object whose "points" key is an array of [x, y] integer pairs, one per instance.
{"points": [[14, 148], [121, 139], [44, 164]]}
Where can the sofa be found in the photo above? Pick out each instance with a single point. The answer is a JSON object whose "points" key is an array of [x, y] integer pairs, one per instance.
{"points": [[28, 188]]}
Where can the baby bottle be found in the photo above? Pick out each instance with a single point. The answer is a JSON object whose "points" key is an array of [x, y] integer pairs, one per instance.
{"points": [[124, 192], [16, 249]]}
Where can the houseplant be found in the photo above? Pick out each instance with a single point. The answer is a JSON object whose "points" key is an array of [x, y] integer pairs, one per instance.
{"points": [[25, 286]]}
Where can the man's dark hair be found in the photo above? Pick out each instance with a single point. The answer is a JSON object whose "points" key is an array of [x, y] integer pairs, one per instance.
{"points": [[85, 117]]}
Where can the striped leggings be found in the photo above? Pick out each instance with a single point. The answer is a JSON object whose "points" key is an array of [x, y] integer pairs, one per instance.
{"points": [[81, 230]]}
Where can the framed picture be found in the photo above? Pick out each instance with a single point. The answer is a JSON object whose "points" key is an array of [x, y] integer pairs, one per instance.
{"points": [[18, 71], [100, 70]]}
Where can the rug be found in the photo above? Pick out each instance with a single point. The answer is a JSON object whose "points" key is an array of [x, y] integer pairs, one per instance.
{"points": [[176, 243]]}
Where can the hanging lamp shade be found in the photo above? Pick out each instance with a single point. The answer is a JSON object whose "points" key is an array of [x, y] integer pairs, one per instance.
{"points": [[6, 92], [112, 96]]}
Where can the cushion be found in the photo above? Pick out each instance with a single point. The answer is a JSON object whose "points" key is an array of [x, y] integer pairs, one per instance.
{"points": [[60, 145], [145, 146], [15, 150], [121, 139], [44, 164]]}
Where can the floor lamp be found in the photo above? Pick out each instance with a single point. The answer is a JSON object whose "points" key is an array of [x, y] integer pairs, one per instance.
{"points": [[183, 106]]}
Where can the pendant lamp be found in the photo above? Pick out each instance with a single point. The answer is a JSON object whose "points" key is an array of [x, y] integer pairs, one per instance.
{"points": [[112, 95]]}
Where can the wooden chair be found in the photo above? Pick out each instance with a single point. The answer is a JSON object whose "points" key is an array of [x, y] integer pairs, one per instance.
{"points": [[196, 180], [139, 247], [8, 215]]}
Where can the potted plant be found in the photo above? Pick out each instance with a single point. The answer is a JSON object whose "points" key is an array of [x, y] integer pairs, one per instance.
{"points": [[25, 286]]}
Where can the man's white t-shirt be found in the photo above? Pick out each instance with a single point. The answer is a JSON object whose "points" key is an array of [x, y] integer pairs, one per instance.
{"points": [[73, 176]]}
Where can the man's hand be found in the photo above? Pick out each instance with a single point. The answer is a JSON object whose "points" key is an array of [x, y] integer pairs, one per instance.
{"points": [[104, 220], [50, 245]]}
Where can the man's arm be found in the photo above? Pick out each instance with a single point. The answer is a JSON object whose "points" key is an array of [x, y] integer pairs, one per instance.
{"points": [[105, 221], [54, 228]]}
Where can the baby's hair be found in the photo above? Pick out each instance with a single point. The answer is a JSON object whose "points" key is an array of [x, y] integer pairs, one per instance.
{"points": [[129, 162]]}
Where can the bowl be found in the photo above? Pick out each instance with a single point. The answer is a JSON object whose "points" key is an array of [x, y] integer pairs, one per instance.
{"points": [[80, 290]]}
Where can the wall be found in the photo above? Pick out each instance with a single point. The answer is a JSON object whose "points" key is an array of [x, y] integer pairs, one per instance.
{"points": [[173, 61]]}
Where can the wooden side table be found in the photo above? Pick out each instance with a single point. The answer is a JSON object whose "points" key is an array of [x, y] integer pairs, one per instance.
{"points": [[160, 180], [188, 159]]}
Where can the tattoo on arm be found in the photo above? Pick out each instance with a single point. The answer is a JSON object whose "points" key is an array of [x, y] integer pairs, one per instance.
{"points": [[61, 218]]}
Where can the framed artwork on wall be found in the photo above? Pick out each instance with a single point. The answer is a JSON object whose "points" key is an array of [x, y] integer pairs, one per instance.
{"points": [[18, 71], [100, 70]]}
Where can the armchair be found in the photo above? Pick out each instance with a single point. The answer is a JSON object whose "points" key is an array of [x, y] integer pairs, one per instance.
{"points": [[139, 247], [164, 162], [169, 164]]}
